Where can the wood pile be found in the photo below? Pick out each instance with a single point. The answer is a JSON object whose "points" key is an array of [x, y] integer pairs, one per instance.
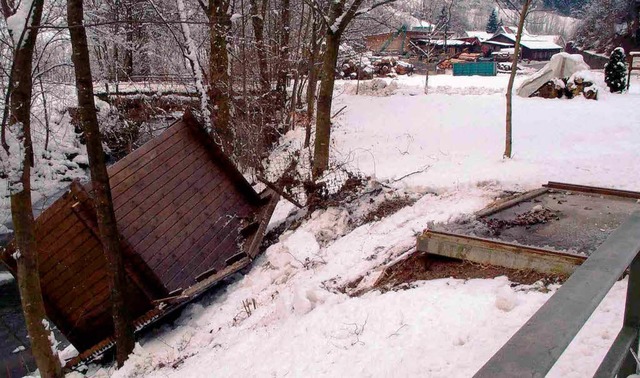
{"points": [[351, 69], [469, 57], [447, 64], [551, 89], [569, 88], [365, 70]]}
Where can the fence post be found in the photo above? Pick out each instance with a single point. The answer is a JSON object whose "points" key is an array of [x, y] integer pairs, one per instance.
{"points": [[632, 316]]}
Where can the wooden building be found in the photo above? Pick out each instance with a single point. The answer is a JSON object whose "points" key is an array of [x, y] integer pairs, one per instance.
{"points": [[398, 42], [541, 47], [449, 47], [186, 216]]}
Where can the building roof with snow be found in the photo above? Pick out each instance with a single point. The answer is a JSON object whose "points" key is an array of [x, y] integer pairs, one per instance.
{"points": [[481, 35], [421, 25], [532, 42]]}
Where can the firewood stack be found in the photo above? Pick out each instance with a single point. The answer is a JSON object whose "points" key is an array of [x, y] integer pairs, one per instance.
{"points": [[385, 67]]}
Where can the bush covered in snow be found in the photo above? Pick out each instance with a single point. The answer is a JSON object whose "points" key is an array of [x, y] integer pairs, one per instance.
{"points": [[615, 72]]}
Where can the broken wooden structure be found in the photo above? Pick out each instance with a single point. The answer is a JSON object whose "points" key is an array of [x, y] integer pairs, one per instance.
{"points": [[583, 218], [187, 218]]}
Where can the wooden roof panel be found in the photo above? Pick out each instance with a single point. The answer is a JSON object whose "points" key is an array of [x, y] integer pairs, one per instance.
{"points": [[181, 206]]}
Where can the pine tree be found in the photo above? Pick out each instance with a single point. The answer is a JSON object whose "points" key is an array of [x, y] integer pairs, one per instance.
{"points": [[492, 25], [615, 72]]}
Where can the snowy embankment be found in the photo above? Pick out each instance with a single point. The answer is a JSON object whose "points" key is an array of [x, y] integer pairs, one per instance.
{"points": [[65, 157], [288, 317]]}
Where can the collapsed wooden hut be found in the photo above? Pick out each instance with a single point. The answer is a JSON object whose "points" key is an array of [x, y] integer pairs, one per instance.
{"points": [[187, 218]]}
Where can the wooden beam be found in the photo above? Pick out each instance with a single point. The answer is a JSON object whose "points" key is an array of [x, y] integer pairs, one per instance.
{"points": [[510, 202], [265, 216], [593, 190]]}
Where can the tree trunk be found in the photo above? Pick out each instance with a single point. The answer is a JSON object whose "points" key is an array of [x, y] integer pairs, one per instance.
{"points": [[220, 82], [312, 82], [107, 226], [257, 21], [325, 99], [46, 117], [514, 67], [21, 208], [283, 64], [128, 50]]}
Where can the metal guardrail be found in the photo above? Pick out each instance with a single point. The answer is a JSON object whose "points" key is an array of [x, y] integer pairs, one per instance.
{"points": [[535, 348]]}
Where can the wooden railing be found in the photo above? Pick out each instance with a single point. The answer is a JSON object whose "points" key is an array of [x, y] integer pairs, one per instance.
{"points": [[536, 347]]}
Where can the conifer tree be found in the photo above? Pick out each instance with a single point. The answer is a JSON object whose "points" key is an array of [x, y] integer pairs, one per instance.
{"points": [[492, 25], [615, 72]]}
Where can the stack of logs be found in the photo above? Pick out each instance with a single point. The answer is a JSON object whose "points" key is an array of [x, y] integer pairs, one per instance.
{"points": [[558, 88], [447, 64], [385, 67]]}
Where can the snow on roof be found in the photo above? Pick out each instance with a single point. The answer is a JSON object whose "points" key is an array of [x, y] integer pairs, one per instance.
{"points": [[548, 37], [510, 30], [534, 42], [481, 35], [498, 43], [539, 45], [421, 24], [449, 42]]}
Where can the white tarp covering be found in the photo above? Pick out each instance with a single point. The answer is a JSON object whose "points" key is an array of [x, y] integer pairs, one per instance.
{"points": [[561, 65]]}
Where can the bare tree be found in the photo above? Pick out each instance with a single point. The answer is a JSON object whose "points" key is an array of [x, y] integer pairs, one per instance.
{"points": [[16, 155], [524, 11], [107, 225], [341, 13], [312, 80], [258, 9], [434, 33]]}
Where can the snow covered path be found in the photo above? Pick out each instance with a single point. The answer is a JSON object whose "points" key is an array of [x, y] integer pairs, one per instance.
{"points": [[286, 318]]}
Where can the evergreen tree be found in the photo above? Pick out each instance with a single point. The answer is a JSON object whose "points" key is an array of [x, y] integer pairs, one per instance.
{"points": [[615, 72], [493, 24]]}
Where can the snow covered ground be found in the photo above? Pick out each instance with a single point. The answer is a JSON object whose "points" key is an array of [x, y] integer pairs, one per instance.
{"points": [[56, 167], [286, 317]]}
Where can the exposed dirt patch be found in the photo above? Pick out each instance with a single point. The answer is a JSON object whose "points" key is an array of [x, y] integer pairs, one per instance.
{"points": [[536, 216], [319, 197], [420, 267], [388, 207]]}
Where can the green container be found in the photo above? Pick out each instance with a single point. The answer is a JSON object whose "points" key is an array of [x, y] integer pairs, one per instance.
{"points": [[475, 68]]}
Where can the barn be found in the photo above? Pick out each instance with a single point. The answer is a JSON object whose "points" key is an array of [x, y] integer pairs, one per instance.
{"points": [[187, 218]]}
